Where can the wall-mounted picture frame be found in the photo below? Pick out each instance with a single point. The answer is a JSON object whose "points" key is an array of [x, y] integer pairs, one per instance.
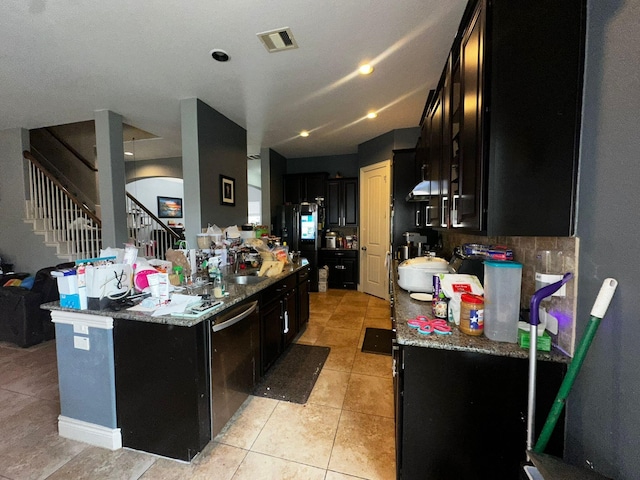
{"points": [[227, 191], [169, 207]]}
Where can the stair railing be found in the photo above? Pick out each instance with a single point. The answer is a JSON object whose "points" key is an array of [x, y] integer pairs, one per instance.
{"points": [[147, 232], [64, 218]]}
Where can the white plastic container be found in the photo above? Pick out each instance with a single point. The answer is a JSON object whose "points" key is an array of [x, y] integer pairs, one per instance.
{"points": [[502, 281], [416, 274]]}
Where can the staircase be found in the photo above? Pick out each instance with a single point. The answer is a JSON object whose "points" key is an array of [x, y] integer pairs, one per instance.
{"points": [[74, 230]]}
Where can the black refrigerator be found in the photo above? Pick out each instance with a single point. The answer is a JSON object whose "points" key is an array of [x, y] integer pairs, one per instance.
{"points": [[297, 225]]}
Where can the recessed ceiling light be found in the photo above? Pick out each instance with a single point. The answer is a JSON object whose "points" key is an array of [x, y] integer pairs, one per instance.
{"points": [[372, 115], [130, 154], [365, 69], [219, 55], [304, 133]]}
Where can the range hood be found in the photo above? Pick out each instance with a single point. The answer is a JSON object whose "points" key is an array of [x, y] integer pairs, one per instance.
{"points": [[420, 193]]}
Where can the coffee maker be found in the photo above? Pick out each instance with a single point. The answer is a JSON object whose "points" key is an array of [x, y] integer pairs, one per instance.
{"points": [[415, 245]]}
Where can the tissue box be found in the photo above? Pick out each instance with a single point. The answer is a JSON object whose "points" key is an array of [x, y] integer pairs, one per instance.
{"points": [[68, 288], [544, 340]]}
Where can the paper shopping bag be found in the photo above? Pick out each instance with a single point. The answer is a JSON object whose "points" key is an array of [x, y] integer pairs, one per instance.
{"points": [[106, 283]]}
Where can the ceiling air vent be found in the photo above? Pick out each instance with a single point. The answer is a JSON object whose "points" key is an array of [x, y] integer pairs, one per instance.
{"points": [[277, 40]]}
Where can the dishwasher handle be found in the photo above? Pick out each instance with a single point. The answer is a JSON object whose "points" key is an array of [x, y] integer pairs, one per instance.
{"points": [[237, 318]]}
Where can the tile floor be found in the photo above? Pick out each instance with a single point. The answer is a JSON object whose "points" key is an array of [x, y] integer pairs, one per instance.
{"points": [[345, 431]]}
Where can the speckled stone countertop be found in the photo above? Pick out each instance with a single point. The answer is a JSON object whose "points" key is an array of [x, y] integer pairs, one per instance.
{"points": [[237, 294], [407, 308]]}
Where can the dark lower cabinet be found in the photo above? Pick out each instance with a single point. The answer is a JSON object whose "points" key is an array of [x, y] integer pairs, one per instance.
{"points": [[303, 297], [271, 333], [462, 415], [278, 319], [162, 387], [343, 268]]}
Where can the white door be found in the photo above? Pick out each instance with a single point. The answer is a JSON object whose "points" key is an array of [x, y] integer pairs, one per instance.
{"points": [[375, 228]]}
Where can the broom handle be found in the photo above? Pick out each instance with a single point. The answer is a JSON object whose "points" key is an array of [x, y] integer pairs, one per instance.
{"points": [[597, 313]]}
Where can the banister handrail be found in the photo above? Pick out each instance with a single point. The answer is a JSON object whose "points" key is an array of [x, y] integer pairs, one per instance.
{"points": [[72, 150], [169, 231], [56, 182]]}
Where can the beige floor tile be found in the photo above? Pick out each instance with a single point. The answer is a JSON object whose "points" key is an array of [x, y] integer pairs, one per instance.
{"points": [[338, 337], [378, 302], [40, 416], [378, 311], [340, 358], [377, 322], [364, 447], [215, 462], [372, 364], [95, 462], [330, 388], [370, 395], [300, 433], [340, 476], [351, 308], [247, 423], [320, 318], [351, 321], [264, 467], [310, 334], [37, 455]]}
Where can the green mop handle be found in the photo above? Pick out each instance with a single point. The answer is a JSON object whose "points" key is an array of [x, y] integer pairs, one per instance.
{"points": [[597, 313]]}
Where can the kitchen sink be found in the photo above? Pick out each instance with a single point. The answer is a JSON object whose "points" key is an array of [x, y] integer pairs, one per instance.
{"points": [[246, 279]]}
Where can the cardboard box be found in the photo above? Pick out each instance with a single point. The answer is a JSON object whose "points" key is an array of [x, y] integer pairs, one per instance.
{"points": [[322, 286], [323, 273]]}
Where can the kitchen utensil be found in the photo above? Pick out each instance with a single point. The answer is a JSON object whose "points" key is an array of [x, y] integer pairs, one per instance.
{"points": [[426, 326], [598, 311], [502, 280], [330, 239], [422, 297], [416, 274]]}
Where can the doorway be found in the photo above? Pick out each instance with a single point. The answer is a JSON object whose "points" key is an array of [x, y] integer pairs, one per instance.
{"points": [[375, 228]]}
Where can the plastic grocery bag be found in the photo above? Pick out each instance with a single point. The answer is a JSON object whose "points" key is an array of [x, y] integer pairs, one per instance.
{"points": [[453, 285]]}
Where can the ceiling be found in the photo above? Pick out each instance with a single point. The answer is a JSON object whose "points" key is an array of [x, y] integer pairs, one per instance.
{"points": [[62, 60]]}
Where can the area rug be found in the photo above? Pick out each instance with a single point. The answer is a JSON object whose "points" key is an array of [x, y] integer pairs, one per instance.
{"points": [[377, 340], [295, 373]]}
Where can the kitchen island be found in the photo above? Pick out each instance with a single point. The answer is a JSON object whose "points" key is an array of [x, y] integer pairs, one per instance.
{"points": [[150, 383], [461, 401]]}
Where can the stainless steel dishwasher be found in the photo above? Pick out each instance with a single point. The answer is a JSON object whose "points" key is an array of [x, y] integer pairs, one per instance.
{"points": [[234, 347]]}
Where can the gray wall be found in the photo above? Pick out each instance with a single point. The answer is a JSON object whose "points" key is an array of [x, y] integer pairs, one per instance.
{"points": [[346, 165], [18, 244], [381, 148], [212, 145], [160, 167], [603, 425], [277, 168]]}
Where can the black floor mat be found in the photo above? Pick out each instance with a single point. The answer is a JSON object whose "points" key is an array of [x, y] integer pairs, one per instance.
{"points": [[295, 373], [377, 340]]}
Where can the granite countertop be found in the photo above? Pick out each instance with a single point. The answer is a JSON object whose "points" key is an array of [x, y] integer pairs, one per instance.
{"points": [[407, 308], [237, 294]]}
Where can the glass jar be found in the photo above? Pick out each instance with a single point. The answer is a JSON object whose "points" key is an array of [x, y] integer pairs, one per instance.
{"points": [[471, 314]]}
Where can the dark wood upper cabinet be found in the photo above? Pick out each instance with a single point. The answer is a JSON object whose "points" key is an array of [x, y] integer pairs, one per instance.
{"points": [[304, 187], [342, 202], [503, 126]]}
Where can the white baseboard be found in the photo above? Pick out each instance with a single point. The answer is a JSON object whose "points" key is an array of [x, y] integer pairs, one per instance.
{"points": [[90, 433]]}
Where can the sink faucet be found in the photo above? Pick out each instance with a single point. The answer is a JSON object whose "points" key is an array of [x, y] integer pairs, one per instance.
{"points": [[237, 259]]}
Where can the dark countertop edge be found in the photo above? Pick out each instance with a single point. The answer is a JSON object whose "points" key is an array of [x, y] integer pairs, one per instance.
{"points": [[239, 293], [406, 308]]}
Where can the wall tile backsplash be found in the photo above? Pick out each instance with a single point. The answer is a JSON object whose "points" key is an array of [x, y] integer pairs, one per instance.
{"points": [[524, 251]]}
